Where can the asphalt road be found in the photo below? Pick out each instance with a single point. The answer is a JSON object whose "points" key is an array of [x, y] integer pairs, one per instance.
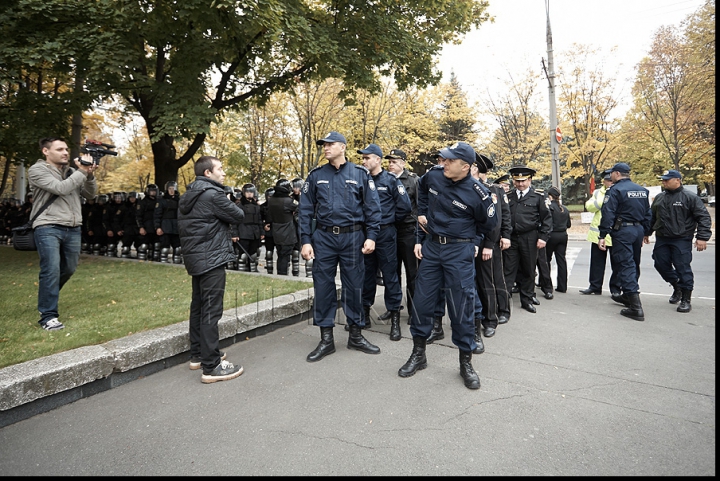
{"points": [[574, 390]]}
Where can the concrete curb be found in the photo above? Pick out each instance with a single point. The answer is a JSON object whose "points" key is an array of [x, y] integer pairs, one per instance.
{"points": [[43, 384]]}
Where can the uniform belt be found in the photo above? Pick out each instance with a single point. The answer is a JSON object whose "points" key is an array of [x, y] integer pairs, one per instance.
{"points": [[385, 226], [341, 230], [448, 240], [625, 224]]}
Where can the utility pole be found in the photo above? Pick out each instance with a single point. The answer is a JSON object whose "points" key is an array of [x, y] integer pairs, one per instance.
{"points": [[555, 135]]}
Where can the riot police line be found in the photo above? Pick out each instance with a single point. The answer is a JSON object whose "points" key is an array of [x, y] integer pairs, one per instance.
{"points": [[143, 226]]}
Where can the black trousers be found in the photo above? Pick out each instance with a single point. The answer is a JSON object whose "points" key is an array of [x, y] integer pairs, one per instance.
{"points": [[598, 259], [406, 257], [283, 258], [519, 263], [543, 269], [557, 246], [490, 280], [206, 308]]}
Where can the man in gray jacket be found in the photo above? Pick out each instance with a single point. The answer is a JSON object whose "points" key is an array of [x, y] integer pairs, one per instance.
{"points": [[205, 213], [57, 228]]}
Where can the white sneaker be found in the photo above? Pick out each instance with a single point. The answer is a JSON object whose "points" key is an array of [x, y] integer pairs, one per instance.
{"points": [[53, 325]]}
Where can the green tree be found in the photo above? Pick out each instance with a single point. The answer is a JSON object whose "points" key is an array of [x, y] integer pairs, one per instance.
{"points": [[180, 64]]}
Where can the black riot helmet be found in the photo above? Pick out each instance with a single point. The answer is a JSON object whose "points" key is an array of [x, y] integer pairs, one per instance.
{"points": [[132, 195], [151, 190], [297, 183], [103, 199], [250, 188], [229, 191], [269, 192], [171, 183], [282, 187], [118, 196]]}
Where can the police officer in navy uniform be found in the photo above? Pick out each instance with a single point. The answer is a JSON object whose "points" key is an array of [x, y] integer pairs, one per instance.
{"points": [[557, 243], [490, 278], [456, 211], [532, 224], [626, 217], [339, 222], [405, 228], [394, 207], [676, 215], [145, 218]]}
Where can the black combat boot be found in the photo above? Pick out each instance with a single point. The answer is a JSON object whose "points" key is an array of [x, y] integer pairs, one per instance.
{"points": [[437, 331], [478, 337], [620, 299], [417, 361], [685, 301], [634, 309], [325, 347], [676, 295], [358, 342], [470, 377], [395, 326]]}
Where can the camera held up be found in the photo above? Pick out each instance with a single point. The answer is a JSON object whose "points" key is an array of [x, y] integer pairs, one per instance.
{"points": [[97, 150]]}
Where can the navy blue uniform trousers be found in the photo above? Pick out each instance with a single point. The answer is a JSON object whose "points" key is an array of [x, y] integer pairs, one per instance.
{"points": [[450, 266], [625, 252], [384, 257], [672, 258], [332, 250]]}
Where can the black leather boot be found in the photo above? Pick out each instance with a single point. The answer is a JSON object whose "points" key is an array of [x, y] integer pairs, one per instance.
{"points": [[685, 301], [358, 342], [676, 295], [470, 377], [417, 361], [478, 337], [325, 347], [621, 299], [634, 310], [395, 326], [437, 331]]}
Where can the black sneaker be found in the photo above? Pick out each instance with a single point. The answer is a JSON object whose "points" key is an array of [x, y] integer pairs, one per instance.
{"points": [[52, 324], [196, 362], [222, 372]]}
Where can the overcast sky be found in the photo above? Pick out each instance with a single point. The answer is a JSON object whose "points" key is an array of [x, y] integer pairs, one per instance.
{"points": [[517, 39]]}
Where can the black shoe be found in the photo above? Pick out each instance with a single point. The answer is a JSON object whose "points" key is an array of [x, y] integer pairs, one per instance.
{"points": [[366, 316], [437, 331], [395, 334], [417, 361], [515, 289], [685, 305], [535, 301], [489, 332], [589, 291], [676, 295], [480, 347], [529, 308], [549, 295], [503, 319], [384, 316], [359, 343], [325, 347], [620, 299], [634, 309], [470, 377], [561, 290]]}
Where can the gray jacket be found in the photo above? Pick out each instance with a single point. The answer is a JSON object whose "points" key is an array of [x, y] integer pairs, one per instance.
{"points": [[68, 183]]}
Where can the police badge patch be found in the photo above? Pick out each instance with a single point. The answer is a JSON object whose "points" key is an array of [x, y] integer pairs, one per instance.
{"points": [[494, 197], [306, 186], [371, 184], [491, 210], [401, 189]]}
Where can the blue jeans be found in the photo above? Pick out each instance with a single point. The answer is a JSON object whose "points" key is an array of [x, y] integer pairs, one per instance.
{"points": [[59, 251]]}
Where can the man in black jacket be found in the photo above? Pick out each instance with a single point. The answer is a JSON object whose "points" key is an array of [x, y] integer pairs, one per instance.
{"points": [[676, 215], [204, 217]]}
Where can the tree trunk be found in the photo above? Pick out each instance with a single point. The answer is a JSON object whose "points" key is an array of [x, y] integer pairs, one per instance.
{"points": [[166, 164]]}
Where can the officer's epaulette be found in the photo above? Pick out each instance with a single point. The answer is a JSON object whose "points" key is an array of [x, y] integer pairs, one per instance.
{"points": [[483, 193], [412, 174], [436, 167], [316, 168], [540, 191]]}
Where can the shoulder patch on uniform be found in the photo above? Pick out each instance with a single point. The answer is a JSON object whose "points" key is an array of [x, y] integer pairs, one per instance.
{"points": [[480, 190], [371, 183], [494, 197], [157, 204], [506, 199], [362, 167], [547, 202], [306, 186], [491, 210], [401, 189]]}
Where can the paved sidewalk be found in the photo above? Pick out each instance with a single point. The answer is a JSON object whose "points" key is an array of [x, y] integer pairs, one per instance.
{"points": [[574, 390]]}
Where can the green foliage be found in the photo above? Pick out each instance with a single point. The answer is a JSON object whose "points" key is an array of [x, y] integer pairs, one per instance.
{"points": [[107, 299]]}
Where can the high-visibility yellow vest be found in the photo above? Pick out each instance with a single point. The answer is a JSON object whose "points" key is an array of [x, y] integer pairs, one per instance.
{"points": [[594, 204]]}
